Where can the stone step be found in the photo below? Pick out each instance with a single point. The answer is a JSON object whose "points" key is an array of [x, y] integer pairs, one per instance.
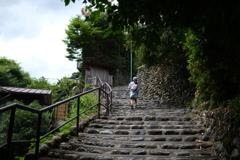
{"points": [[139, 142], [97, 152], [96, 125], [136, 113], [178, 138], [119, 88], [140, 107], [146, 131], [135, 155], [115, 122], [139, 118], [152, 107], [155, 130], [186, 138], [126, 100]]}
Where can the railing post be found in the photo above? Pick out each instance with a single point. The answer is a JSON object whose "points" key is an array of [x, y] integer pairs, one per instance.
{"points": [[99, 105], [38, 135], [10, 132], [78, 108], [107, 101], [111, 102]]}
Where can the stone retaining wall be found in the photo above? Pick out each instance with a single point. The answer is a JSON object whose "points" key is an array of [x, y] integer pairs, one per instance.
{"points": [[224, 133], [168, 83], [171, 83]]}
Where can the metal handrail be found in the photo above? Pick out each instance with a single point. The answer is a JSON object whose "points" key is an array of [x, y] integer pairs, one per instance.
{"points": [[104, 90], [108, 94]]}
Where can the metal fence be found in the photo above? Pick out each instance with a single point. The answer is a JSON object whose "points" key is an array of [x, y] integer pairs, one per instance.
{"points": [[104, 91]]}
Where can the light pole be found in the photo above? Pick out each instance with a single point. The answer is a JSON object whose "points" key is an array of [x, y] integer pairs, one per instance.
{"points": [[131, 63]]}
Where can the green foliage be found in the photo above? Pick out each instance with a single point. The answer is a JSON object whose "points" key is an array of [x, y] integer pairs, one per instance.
{"points": [[68, 1], [11, 74], [65, 87], [20, 158], [62, 89], [226, 121], [213, 50], [25, 125], [212, 71], [86, 101], [41, 83], [85, 41], [196, 65], [168, 51]]}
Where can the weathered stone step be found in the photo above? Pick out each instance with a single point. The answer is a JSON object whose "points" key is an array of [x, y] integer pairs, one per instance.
{"points": [[125, 103], [150, 110], [116, 122], [184, 138], [145, 103], [152, 118], [139, 143], [106, 150], [117, 126], [136, 155], [127, 113], [146, 131], [148, 117]]}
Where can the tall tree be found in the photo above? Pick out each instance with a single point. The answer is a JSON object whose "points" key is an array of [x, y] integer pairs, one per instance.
{"points": [[85, 41], [11, 74]]}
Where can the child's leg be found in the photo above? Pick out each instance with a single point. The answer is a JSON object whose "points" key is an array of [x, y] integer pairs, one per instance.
{"points": [[132, 101]]}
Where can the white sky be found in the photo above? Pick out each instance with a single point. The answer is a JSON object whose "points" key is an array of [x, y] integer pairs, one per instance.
{"points": [[31, 33]]}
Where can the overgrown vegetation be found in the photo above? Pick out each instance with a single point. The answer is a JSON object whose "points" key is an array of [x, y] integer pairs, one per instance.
{"points": [[25, 125], [205, 30], [86, 101]]}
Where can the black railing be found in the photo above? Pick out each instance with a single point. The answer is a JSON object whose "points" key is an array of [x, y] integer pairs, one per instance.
{"points": [[104, 94]]}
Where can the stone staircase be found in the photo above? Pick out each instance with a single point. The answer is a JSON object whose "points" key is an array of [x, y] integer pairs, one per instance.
{"points": [[153, 131]]}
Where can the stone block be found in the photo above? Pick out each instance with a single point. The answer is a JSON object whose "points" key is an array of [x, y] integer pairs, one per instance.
{"points": [[134, 118], [122, 132], [155, 132], [139, 152], [171, 132]]}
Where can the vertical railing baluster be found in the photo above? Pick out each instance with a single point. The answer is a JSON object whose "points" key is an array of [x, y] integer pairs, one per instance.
{"points": [[10, 132], [38, 135], [78, 110], [107, 105], [111, 102], [99, 97]]}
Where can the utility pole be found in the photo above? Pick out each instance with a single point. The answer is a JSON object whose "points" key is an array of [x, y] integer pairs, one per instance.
{"points": [[131, 63]]}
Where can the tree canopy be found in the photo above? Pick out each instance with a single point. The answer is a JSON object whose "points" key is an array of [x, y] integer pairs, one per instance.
{"points": [[85, 41], [206, 31], [11, 74]]}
